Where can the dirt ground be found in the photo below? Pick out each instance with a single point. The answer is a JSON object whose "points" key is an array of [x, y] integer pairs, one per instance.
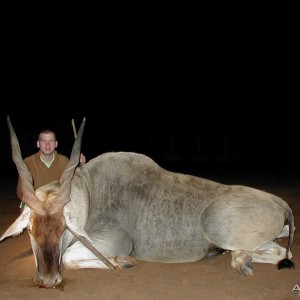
{"points": [[207, 279]]}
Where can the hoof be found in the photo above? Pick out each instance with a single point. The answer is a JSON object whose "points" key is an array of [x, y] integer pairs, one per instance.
{"points": [[125, 262], [215, 252], [242, 263], [246, 269]]}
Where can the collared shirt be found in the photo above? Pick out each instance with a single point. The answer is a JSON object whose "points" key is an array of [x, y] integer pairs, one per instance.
{"points": [[48, 163]]}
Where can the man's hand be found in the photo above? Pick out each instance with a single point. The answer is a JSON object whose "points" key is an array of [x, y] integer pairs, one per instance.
{"points": [[82, 159]]}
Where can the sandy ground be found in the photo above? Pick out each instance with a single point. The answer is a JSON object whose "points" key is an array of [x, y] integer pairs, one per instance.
{"points": [[208, 279]]}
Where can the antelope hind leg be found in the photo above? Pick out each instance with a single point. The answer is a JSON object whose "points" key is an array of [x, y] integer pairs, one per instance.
{"points": [[270, 253]]}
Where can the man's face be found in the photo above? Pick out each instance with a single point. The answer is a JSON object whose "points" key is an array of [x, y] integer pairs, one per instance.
{"points": [[47, 143]]}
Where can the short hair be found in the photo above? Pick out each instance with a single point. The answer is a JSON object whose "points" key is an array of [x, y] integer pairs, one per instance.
{"points": [[47, 131]]}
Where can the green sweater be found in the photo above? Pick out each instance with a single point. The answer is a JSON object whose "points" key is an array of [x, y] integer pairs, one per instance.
{"points": [[40, 173]]}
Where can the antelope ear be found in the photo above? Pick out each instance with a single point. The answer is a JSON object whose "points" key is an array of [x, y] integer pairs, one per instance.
{"points": [[18, 226]]}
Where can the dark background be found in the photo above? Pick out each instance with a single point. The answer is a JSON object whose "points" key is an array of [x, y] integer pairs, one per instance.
{"points": [[223, 99], [186, 140], [226, 80]]}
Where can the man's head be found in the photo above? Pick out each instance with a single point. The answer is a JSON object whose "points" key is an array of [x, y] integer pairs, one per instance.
{"points": [[47, 142]]}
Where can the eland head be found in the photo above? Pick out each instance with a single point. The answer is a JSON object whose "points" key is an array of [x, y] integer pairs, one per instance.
{"points": [[45, 216]]}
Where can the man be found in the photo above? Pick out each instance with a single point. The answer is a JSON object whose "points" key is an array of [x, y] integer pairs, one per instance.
{"points": [[46, 165]]}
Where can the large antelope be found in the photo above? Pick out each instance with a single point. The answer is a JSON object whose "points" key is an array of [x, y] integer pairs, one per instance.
{"points": [[123, 205]]}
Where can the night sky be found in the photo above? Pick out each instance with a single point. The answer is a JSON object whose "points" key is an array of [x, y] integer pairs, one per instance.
{"points": [[142, 92], [188, 140]]}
